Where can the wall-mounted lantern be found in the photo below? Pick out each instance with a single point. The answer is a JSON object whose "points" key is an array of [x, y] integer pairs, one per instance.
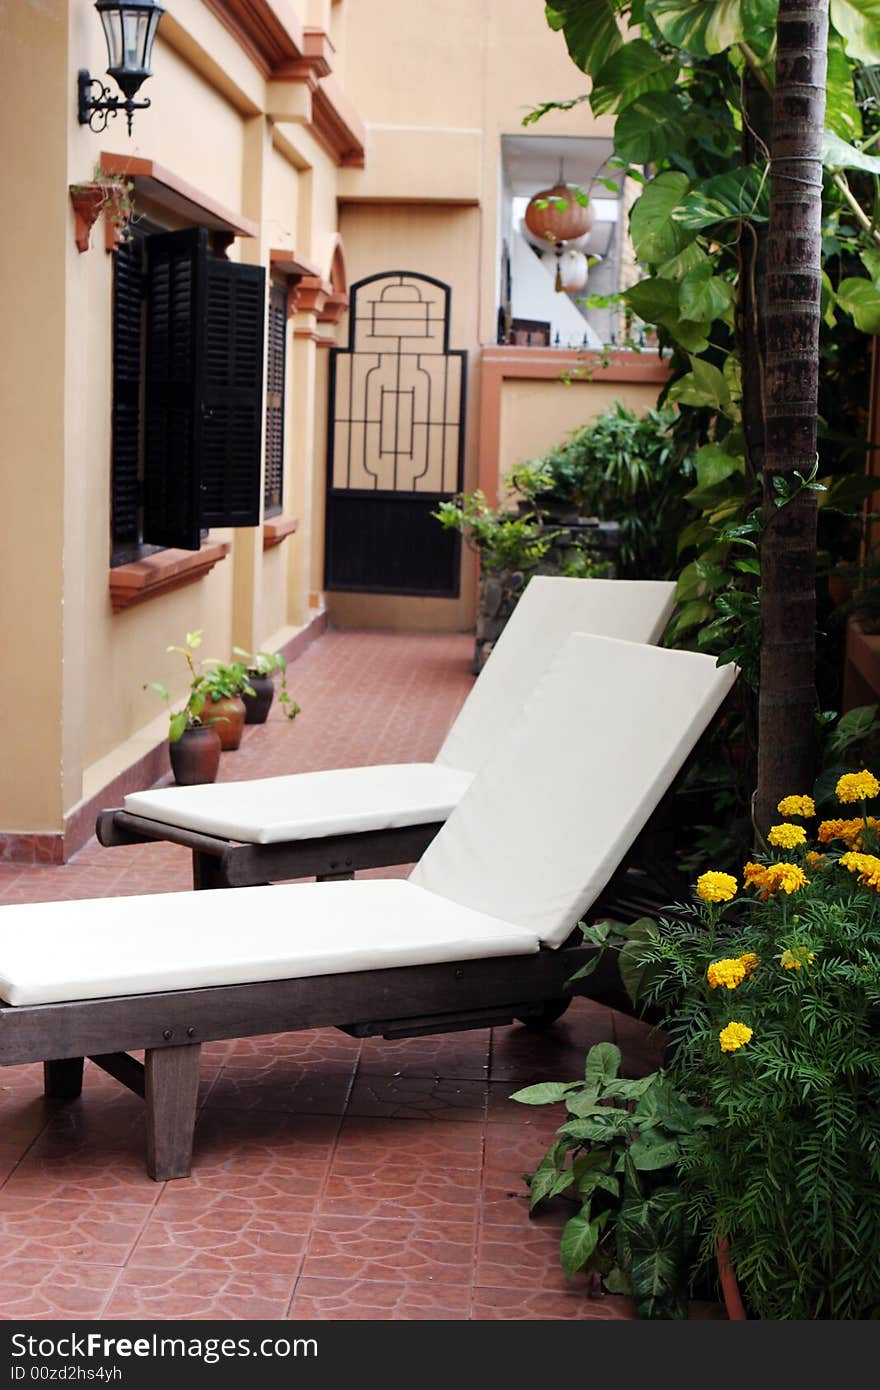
{"points": [[129, 28]]}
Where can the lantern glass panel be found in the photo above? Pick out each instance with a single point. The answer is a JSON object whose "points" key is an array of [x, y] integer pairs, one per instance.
{"points": [[112, 23]]}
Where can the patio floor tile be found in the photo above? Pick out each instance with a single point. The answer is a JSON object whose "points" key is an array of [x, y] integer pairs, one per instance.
{"points": [[461, 1056], [348, 1300], [418, 1097], [402, 1191], [148, 1294], [49, 1229], [370, 1145], [260, 1238], [42, 1290], [416, 1252]]}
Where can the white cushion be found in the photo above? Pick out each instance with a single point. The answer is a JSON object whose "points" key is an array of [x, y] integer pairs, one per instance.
{"points": [[548, 818], [309, 805], [634, 610], [92, 949]]}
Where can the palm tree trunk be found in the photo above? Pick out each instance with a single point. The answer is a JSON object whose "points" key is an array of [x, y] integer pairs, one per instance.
{"points": [[786, 739]]}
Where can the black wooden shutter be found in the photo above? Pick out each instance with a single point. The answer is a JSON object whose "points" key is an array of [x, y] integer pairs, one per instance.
{"points": [[128, 299], [276, 341], [176, 273], [232, 423]]}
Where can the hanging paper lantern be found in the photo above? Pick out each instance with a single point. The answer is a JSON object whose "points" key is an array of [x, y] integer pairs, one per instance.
{"points": [[572, 271], [555, 214]]}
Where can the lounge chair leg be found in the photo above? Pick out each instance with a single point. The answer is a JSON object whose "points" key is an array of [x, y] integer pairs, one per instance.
{"points": [[207, 871], [63, 1080], [172, 1090]]}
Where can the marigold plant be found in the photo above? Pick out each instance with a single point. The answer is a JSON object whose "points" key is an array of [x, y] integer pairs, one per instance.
{"points": [[797, 806], [771, 1007], [787, 836]]}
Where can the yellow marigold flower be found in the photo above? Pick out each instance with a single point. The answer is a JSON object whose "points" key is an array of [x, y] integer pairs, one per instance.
{"points": [[734, 1036], [857, 786], [787, 836], [784, 878], [793, 960], [754, 875], [817, 860], [749, 962], [797, 806], [728, 972], [714, 887], [867, 866], [851, 831]]}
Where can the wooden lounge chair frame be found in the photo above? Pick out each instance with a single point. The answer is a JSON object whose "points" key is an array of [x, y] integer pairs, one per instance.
{"points": [[409, 1001]]}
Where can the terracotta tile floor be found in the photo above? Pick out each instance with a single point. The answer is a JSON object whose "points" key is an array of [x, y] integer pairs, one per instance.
{"points": [[333, 1178]]}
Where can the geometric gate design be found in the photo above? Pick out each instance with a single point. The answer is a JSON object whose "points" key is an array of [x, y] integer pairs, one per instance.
{"points": [[395, 440]]}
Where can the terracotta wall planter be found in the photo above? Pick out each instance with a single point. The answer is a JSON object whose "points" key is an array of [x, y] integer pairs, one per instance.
{"points": [[226, 716]]}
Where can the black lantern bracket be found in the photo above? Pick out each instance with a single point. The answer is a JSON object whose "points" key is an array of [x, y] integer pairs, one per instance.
{"points": [[129, 30], [96, 110]]}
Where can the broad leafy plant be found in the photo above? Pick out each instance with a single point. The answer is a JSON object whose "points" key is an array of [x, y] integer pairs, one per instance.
{"points": [[267, 664], [615, 1157]]}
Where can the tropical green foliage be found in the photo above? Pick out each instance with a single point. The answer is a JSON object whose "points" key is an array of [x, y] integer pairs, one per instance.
{"points": [[506, 540], [626, 468], [676, 80], [615, 1157]]}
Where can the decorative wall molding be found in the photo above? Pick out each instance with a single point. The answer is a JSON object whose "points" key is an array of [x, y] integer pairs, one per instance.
{"points": [[162, 572]]}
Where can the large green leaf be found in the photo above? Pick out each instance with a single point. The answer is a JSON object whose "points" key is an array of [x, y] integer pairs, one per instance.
{"points": [[603, 1063], [858, 21], [655, 234], [650, 1155], [741, 193], [838, 154], [545, 1093], [703, 385], [649, 128], [862, 300], [842, 116], [591, 30], [629, 73], [714, 464], [704, 296], [703, 27], [579, 1239]]}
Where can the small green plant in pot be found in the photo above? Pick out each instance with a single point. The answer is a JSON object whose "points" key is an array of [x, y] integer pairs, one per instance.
{"points": [[224, 685], [261, 667], [193, 745]]}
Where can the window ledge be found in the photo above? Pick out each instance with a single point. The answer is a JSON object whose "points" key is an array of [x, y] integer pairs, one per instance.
{"points": [[162, 572], [277, 529]]}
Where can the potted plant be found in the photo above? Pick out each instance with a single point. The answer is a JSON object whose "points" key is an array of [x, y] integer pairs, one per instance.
{"points": [[193, 745], [260, 668], [223, 686], [512, 546], [769, 997]]}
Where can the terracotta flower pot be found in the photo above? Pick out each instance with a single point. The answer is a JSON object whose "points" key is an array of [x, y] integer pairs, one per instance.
{"points": [[729, 1288], [195, 756], [257, 706], [226, 715]]}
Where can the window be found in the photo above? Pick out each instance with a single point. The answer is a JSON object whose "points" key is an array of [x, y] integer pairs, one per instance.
{"points": [[187, 393], [273, 486]]}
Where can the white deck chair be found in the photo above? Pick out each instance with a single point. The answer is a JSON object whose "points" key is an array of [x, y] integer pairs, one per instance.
{"points": [[329, 824], [478, 934]]}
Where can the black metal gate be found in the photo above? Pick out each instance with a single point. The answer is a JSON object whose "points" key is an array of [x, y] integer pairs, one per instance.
{"points": [[395, 441]]}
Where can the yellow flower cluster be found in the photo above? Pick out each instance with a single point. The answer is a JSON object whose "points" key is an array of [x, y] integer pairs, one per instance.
{"points": [[715, 887], [849, 831], [775, 878], [797, 806], [731, 971], [793, 960], [867, 866], [857, 786], [734, 1036], [787, 836]]}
